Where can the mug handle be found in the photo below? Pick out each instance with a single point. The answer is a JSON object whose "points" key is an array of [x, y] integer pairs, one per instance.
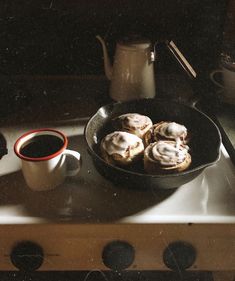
{"points": [[213, 79], [77, 156]]}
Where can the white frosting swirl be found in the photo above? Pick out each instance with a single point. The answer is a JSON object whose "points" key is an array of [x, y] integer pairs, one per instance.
{"points": [[136, 122], [119, 142], [169, 153], [172, 130]]}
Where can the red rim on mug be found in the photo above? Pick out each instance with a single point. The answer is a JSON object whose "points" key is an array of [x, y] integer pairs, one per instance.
{"points": [[30, 134]]}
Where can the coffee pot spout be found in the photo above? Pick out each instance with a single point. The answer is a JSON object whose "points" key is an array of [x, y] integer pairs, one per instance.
{"points": [[107, 65]]}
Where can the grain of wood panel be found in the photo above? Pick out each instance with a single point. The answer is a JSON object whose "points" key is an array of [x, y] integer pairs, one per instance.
{"points": [[80, 246]]}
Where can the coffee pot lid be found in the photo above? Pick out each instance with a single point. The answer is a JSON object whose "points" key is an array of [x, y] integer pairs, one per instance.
{"points": [[135, 42], [180, 58]]}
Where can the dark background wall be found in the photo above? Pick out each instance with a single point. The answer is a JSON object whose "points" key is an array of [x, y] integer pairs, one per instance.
{"points": [[58, 37]]}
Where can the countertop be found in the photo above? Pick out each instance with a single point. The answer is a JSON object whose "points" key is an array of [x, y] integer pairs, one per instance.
{"points": [[39, 99], [43, 98]]}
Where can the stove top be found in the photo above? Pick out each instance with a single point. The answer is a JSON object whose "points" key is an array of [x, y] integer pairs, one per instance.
{"points": [[224, 116], [89, 198], [88, 223]]}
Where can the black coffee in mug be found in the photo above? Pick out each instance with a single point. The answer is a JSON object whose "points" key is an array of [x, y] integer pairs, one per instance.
{"points": [[41, 146]]}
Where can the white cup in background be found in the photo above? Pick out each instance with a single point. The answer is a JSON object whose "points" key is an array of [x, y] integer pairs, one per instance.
{"points": [[228, 86], [43, 153]]}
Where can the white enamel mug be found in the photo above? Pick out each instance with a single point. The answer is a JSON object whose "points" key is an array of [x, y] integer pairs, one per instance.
{"points": [[228, 85], [45, 172]]}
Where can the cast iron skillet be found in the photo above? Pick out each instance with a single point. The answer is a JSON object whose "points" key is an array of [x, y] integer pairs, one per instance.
{"points": [[205, 141]]}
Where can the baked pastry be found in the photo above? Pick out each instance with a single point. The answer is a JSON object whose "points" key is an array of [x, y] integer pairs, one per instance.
{"points": [[121, 148], [166, 131], [166, 157], [133, 123]]}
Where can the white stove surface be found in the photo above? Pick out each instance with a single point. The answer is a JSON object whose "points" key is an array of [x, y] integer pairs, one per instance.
{"points": [[89, 198]]}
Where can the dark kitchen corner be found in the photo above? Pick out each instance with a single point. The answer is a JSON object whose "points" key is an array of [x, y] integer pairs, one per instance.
{"points": [[57, 37]]}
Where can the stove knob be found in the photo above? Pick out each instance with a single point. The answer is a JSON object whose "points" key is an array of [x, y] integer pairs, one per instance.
{"points": [[179, 255], [118, 255], [27, 256]]}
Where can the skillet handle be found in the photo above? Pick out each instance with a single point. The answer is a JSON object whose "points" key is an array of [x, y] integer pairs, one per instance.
{"points": [[193, 101], [89, 152]]}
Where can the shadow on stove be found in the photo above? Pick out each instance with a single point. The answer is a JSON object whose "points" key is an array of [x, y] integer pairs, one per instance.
{"points": [[87, 197]]}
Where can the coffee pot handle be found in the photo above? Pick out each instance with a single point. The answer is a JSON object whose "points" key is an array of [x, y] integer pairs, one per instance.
{"points": [[181, 59]]}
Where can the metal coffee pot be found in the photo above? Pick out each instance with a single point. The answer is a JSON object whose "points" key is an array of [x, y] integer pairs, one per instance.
{"points": [[132, 74]]}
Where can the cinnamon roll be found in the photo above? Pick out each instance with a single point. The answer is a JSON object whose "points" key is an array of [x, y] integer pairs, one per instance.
{"points": [[121, 148], [166, 131], [133, 123], [166, 157]]}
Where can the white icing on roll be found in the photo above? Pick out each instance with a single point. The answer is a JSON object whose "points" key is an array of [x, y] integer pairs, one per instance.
{"points": [[172, 130], [169, 153], [136, 122], [119, 142]]}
